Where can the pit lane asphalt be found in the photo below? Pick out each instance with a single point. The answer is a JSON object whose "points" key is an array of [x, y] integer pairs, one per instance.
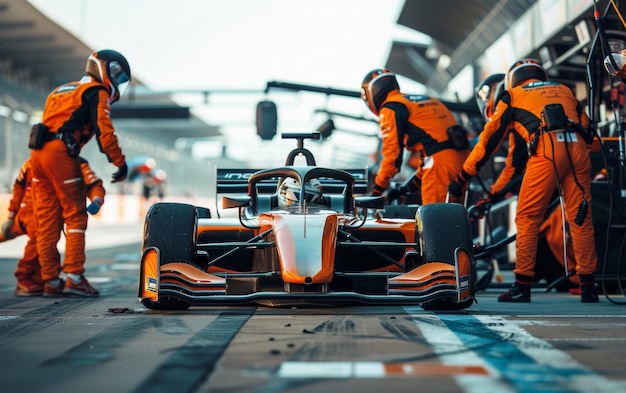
{"points": [[112, 343]]}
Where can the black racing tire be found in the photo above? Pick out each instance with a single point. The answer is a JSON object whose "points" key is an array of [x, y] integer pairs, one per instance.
{"points": [[203, 212], [166, 303], [441, 228], [171, 228], [446, 305]]}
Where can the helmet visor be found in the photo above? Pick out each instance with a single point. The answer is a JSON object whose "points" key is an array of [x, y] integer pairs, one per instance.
{"points": [[484, 94], [119, 77]]}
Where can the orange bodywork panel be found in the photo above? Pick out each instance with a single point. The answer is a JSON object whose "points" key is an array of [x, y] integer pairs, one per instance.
{"points": [[464, 266], [306, 247], [149, 282], [425, 276], [191, 273], [190, 277], [425, 271], [178, 273]]}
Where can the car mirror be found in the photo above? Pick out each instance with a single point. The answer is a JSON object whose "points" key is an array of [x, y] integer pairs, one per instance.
{"points": [[266, 120], [370, 202], [229, 202]]}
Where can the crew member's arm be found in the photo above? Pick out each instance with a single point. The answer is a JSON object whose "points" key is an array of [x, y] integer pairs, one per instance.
{"points": [[489, 142], [392, 149], [509, 179], [94, 186], [100, 111], [19, 190]]}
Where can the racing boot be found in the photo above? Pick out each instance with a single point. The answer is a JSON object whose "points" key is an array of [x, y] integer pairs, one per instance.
{"points": [[588, 290], [519, 292], [54, 288], [80, 288], [29, 283], [27, 286]]}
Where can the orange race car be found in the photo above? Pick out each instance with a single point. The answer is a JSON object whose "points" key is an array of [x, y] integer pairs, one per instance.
{"points": [[304, 235]]}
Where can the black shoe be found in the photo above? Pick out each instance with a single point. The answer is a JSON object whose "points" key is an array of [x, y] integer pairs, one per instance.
{"points": [[589, 294], [517, 294]]}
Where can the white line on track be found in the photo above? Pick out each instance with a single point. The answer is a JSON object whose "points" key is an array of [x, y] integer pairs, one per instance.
{"points": [[519, 360], [452, 350]]}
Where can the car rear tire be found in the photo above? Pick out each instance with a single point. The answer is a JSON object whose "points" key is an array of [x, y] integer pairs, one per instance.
{"points": [[171, 228]]}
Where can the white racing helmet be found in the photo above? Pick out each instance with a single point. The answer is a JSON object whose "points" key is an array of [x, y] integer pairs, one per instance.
{"points": [[289, 192]]}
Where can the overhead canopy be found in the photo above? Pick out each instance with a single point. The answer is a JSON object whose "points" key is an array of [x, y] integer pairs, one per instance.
{"points": [[460, 29], [448, 22], [36, 47], [412, 60], [37, 55]]}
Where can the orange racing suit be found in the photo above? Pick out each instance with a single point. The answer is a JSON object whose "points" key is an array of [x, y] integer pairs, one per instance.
{"points": [[21, 210], [82, 109], [560, 159], [418, 123], [514, 165], [552, 227]]}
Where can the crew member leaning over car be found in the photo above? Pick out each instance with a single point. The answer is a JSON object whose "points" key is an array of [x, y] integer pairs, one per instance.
{"points": [[21, 221], [550, 119], [488, 93], [417, 123], [73, 114]]}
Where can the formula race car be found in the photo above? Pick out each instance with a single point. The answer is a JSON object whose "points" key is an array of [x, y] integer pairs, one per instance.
{"points": [[304, 235]]}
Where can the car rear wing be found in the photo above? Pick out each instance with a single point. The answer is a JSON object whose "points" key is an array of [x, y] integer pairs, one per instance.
{"points": [[235, 181]]}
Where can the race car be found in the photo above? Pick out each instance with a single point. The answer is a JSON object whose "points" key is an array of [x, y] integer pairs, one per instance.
{"points": [[304, 235]]}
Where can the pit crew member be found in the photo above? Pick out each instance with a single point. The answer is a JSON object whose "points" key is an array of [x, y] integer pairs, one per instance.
{"points": [[74, 112], [417, 123], [488, 93], [21, 221], [546, 115]]}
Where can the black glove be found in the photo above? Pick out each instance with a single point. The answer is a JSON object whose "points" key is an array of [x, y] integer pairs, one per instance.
{"points": [[121, 173], [456, 187], [497, 197], [481, 207], [396, 193]]}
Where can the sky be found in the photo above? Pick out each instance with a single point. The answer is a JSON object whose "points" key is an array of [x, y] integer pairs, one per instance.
{"points": [[235, 46]]}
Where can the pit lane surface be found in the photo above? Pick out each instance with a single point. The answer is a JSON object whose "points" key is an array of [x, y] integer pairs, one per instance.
{"points": [[113, 344]]}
